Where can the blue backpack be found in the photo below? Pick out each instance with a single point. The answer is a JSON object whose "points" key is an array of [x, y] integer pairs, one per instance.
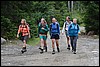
{"points": [[77, 26], [54, 28]]}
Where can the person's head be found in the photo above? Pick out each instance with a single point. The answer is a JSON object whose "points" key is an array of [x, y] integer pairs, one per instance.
{"points": [[43, 21], [54, 20], [23, 21], [75, 20], [68, 18]]}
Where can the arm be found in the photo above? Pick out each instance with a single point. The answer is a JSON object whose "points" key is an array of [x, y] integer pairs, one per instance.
{"points": [[19, 30], [78, 29], [46, 29]]}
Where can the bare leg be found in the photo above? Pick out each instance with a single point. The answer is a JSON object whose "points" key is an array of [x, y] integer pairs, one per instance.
{"points": [[68, 39], [57, 44], [45, 45], [42, 43], [24, 43], [68, 42], [53, 46], [24, 47]]}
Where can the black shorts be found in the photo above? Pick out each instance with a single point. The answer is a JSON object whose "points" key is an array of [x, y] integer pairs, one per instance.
{"points": [[24, 38], [55, 36]]}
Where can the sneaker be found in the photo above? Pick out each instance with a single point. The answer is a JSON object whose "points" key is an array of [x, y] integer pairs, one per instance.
{"points": [[53, 52], [58, 49]]}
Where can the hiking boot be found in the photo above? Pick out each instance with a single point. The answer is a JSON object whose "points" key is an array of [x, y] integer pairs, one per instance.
{"points": [[68, 48], [23, 49], [40, 48], [41, 51], [53, 52], [58, 49], [45, 48]]}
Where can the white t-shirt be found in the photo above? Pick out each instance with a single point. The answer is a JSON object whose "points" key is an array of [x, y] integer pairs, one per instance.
{"points": [[67, 24]]}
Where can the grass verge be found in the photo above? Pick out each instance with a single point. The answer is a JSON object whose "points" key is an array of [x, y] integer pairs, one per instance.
{"points": [[33, 41]]}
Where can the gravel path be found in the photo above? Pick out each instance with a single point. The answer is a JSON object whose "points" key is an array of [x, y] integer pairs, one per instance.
{"points": [[87, 54]]}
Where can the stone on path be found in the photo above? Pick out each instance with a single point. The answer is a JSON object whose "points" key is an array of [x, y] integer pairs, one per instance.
{"points": [[2, 40]]}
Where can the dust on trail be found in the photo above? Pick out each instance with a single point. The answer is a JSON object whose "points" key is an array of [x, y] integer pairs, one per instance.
{"points": [[87, 54]]}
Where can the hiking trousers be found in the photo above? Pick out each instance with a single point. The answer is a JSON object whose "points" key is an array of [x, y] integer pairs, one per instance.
{"points": [[73, 40]]}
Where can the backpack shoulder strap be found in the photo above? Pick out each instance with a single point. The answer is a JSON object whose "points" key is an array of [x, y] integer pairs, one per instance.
{"points": [[57, 25], [70, 26], [20, 26], [77, 26], [65, 24]]}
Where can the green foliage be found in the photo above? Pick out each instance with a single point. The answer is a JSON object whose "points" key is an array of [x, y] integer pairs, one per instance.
{"points": [[8, 30], [33, 41], [91, 17], [13, 11]]}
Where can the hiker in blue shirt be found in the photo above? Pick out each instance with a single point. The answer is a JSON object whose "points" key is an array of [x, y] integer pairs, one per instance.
{"points": [[54, 33], [73, 31]]}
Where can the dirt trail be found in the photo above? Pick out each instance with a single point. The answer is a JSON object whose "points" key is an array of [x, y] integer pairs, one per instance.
{"points": [[87, 54]]}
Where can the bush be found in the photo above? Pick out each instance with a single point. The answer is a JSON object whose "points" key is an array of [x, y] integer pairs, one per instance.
{"points": [[91, 18], [8, 30]]}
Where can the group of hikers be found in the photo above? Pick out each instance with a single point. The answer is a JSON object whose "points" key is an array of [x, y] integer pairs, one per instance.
{"points": [[71, 29]]}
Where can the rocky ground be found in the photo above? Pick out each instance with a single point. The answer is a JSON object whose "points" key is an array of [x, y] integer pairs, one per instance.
{"points": [[87, 54]]}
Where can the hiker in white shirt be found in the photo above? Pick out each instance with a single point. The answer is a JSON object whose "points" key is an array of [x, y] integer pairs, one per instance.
{"points": [[65, 29]]}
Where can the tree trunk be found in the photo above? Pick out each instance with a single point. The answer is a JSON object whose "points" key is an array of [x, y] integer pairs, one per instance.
{"points": [[69, 6], [72, 6]]}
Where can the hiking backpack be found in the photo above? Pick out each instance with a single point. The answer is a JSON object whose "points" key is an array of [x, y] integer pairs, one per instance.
{"points": [[66, 24], [54, 28], [77, 26], [45, 26]]}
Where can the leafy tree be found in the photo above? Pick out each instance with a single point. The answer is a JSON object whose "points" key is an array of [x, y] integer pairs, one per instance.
{"points": [[13, 11], [91, 18]]}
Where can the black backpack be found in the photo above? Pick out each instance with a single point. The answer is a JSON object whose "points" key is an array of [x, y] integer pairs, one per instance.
{"points": [[43, 27], [66, 23]]}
